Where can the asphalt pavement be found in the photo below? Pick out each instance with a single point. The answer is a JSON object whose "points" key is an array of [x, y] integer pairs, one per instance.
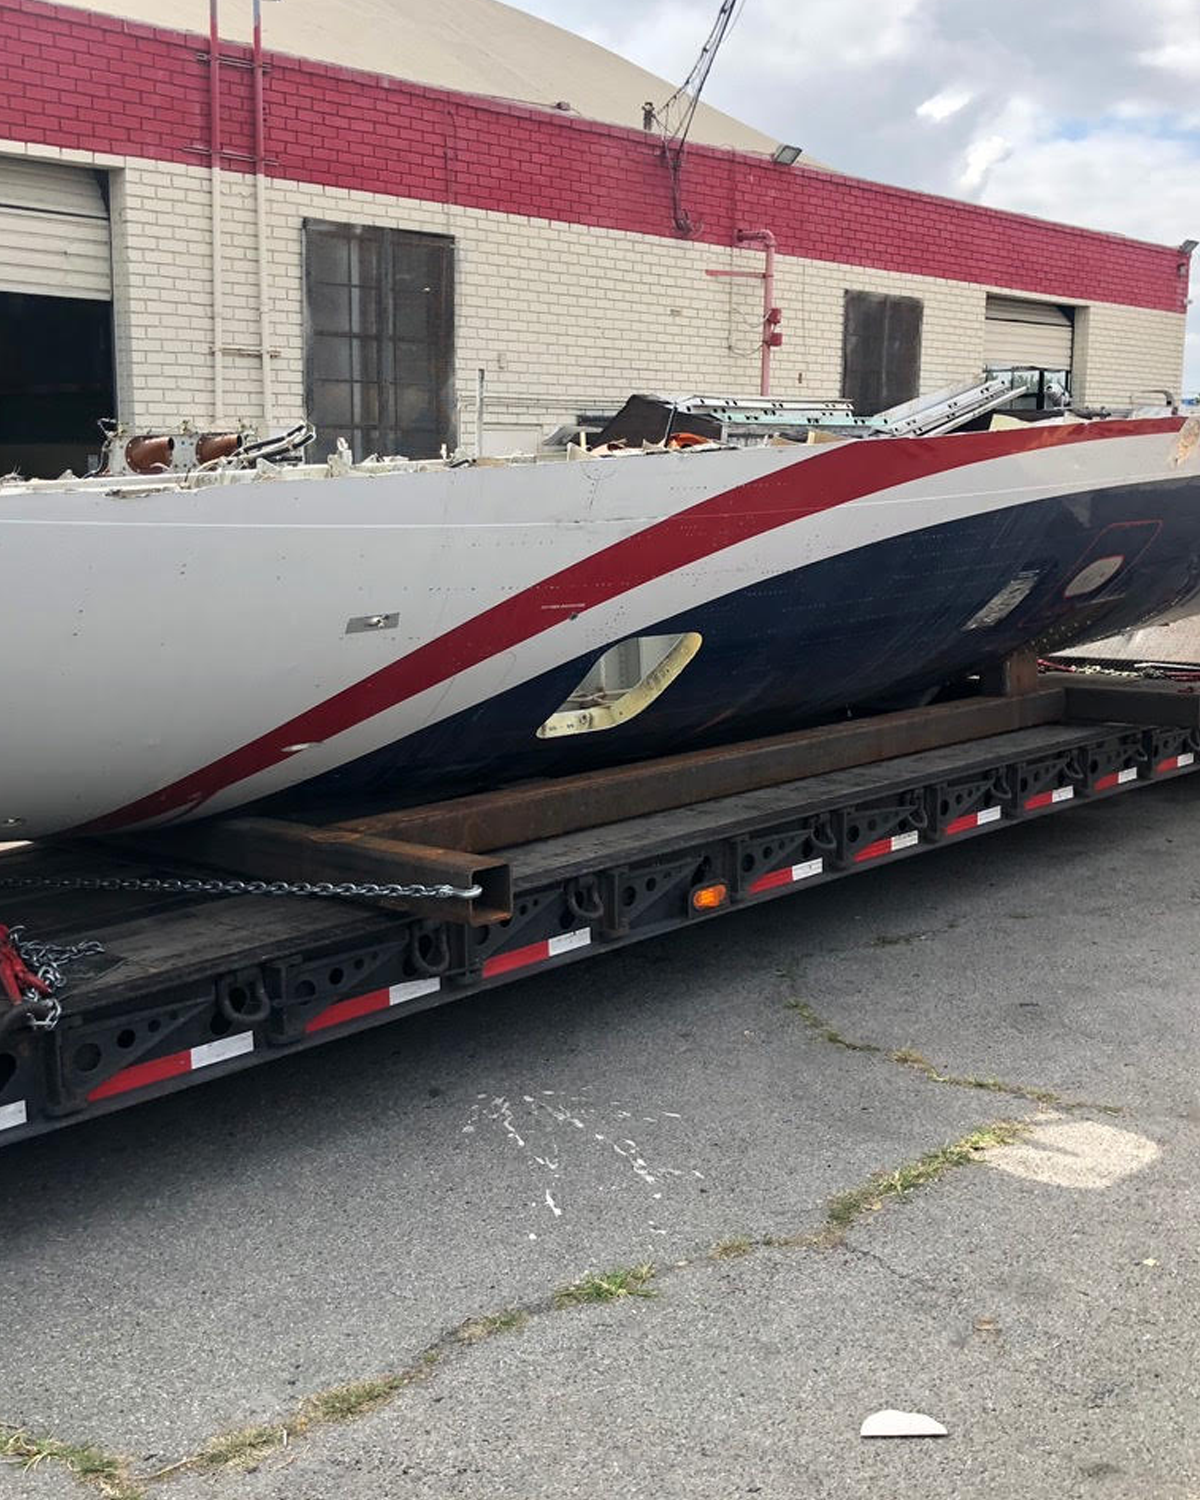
{"points": [[671, 1222]]}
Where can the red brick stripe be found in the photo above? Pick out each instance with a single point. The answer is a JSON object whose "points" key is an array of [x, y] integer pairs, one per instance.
{"points": [[84, 81]]}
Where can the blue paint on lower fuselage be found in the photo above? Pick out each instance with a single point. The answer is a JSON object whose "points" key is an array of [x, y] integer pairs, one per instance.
{"points": [[879, 624]]}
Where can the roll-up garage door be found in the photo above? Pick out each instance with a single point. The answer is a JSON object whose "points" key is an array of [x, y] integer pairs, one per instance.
{"points": [[1027, 334], [54, 239]]}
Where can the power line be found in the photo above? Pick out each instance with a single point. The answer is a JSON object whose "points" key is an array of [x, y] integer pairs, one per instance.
{"points": [[686, 99]]}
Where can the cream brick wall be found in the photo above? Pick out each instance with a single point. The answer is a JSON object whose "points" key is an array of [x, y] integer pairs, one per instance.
{"points": [[562, 318], [1125, 354]]}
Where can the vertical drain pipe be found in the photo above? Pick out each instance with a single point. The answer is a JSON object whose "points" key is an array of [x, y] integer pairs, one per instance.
{"points": [[260, 215], [214, 111], [770, 335]]}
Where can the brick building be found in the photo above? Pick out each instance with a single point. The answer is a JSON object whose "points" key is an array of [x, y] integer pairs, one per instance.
{"points": [[385, 225]]}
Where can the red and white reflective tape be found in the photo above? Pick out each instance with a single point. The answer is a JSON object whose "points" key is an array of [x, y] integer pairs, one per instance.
{"points": [[1049, 799], [887, 846], [342, 1011], [974, 819], [1116, 778], [1176, 762], [12, 1115], [789, 875], [174, 1065], [536, 953]]}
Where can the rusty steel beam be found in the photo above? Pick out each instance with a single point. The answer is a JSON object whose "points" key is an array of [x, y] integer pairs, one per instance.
{"points": [[545, 809], [274, 849], [1095, 698], [1015, 674]]}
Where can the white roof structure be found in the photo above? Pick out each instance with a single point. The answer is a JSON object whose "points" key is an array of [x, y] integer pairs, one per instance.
{"points": [[477, 46]]}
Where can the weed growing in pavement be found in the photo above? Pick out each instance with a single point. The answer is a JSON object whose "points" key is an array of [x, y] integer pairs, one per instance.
{"points": [[475, 1330], [341, 1402], [731, 1249], [631, 1281], [104, 1471], [909, 1057], [241, 1449], [844, 1209], [338, 1403], [825, 1031]]}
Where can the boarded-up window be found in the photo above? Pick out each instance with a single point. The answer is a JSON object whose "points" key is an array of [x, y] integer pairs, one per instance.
{"points": [[881, 350], [380, 325]]}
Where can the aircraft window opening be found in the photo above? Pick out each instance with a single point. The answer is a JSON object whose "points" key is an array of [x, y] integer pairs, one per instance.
{"points": [[623, 683]]}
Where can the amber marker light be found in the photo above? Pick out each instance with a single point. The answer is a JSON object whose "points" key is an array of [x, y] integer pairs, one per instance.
{"points": [[710, 897]]}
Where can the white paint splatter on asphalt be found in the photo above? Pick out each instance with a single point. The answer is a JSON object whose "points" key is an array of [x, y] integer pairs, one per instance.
{"points": [[533, 1124]]}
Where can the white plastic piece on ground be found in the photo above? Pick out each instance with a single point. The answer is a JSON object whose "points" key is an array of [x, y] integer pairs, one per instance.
{"points": [[889, 1423]]}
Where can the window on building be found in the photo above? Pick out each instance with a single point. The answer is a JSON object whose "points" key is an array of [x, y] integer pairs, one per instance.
{"points": [[881, 350], [380, 338]]}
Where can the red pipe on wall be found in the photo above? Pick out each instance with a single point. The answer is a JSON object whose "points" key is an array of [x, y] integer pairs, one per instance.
{"points": [[771, 337]]}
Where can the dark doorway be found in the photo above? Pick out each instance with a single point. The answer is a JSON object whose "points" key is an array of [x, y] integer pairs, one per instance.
{"points": [[56, 383], [380, 354], [881, 350]]}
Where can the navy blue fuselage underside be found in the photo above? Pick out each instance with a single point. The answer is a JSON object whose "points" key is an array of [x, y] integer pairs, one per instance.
{"points": [[880, 624]]}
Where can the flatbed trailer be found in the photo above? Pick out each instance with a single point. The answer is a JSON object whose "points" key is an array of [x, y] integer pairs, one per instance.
{"points": [[194, 983]]}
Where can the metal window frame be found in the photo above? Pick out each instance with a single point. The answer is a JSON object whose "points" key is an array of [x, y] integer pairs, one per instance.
{"points": [[391, 242]]}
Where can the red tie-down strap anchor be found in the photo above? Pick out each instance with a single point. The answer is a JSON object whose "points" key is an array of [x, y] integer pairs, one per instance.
{"points": [[17, 979]]}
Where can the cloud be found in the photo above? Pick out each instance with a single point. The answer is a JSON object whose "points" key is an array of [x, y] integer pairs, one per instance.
{"points": [[1175, 57], [984, 153], [1129, 182], [1085, 113], [942, 106]]}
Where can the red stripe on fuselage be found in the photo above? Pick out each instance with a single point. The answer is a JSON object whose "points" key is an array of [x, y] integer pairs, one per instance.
{"points": [[848, 472]]}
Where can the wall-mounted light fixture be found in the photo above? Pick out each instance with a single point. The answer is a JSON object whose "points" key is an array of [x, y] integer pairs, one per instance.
{"points": [[1188, 246], [786, 156]]}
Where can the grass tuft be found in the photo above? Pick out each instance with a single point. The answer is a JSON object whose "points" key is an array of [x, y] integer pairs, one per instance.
{"points": [[631, 1281], [245, 1447], [909, 1057], [845, 1209], [340, 1403], [731, 1249], [825, 1031], [93, 1465], [475, 1330]]}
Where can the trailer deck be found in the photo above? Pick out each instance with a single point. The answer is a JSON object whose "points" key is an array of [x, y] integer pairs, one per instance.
{"points": [[191, 985]]}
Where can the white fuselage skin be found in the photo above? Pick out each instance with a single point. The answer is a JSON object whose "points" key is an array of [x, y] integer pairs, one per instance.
{"points": [[151, 629]]}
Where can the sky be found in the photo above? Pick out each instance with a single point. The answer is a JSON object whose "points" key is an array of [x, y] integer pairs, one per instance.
{"points": [[1086, 111]]}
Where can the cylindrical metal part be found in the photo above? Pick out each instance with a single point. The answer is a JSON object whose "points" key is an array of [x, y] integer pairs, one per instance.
{"points": [[149, 455], [216, 445]]}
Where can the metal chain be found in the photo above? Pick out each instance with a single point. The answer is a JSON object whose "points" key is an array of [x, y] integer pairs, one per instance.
{"points": [[215, 887], [47, 962]]}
